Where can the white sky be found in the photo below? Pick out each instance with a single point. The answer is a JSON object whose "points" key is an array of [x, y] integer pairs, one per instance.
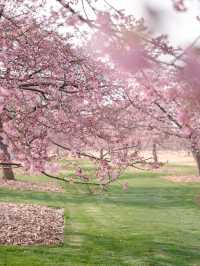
{"points": [[182, 28]]}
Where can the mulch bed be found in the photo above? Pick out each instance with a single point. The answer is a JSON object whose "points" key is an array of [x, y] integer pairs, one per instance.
{"points": [[26, 224], [28, 185], [184, 179]]}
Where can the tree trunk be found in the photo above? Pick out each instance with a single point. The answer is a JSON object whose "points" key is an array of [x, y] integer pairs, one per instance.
{"points": [[196, 155], [8, 173], [154, 153]]}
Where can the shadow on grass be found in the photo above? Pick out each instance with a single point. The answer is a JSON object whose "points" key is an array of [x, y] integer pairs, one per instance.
{"points": [[146, 197], [142, 175], [173, 254], [166, 170], [103, 250]]}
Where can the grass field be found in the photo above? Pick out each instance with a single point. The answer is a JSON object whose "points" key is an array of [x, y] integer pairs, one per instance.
{"points": [[154, 223]]}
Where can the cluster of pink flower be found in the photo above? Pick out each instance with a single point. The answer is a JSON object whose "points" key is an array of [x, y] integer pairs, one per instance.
{"points": [[118, 89]]}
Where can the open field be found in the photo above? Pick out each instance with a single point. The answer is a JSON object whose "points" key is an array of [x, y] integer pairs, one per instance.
{"points": [[155, 223], [173, 157]]}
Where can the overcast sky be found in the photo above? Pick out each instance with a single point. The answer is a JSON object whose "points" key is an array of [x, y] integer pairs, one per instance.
{"points": [[182, 28]]}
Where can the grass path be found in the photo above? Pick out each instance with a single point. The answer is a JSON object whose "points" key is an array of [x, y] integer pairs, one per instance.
{"points": [[154, 223]]}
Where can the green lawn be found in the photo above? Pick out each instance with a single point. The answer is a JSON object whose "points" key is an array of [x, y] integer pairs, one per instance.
{"points": [[154, 223]]}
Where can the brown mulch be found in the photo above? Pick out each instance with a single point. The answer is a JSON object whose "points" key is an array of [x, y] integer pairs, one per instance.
{"points": [[29, 185], [184, 179], [26, 224]]}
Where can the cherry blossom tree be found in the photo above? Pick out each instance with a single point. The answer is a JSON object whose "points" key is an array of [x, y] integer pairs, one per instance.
{"points": [[94, 98], [52, 92]]}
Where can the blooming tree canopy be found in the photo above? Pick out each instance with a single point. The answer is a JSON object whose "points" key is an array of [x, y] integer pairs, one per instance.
{"points": [[94, 98]]}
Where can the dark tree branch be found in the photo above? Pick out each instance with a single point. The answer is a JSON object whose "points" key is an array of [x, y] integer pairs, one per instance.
{"points": [[80, 153], [8, 165], [68, 181], [170, 117], [73, 12]]}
